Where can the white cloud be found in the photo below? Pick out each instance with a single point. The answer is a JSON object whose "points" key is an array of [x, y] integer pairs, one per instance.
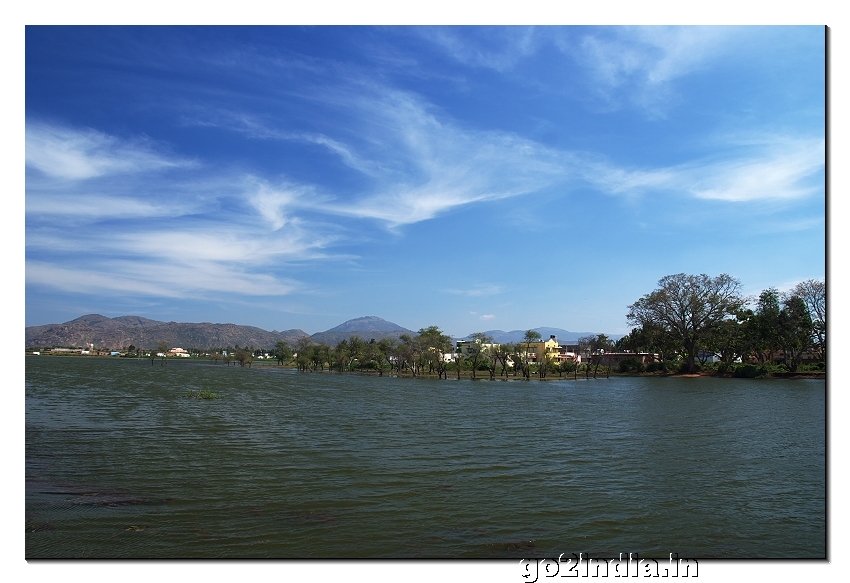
{"points": [[418, 162], [93, 206], [73, 154], [780, 173], [273, 203], [477, 291], [429, 165], [638, 64], [487, 317], [498, 48], [222, 244], [146, 277], [774, 168]]}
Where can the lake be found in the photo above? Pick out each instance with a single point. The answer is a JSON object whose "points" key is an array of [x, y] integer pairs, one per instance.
{"points": [[121, 463]]}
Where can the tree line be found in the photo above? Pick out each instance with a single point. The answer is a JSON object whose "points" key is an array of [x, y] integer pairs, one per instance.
{"points": [[424, 353], [689, 317], [686, 319]]}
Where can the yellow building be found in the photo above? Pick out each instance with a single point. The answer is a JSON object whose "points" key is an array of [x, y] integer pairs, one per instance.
{"points": [[536, 350]]}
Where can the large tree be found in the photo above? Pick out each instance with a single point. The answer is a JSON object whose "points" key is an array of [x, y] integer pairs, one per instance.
{"points": [[435, 344], [795, 330], [687, 307], [813, 294]]}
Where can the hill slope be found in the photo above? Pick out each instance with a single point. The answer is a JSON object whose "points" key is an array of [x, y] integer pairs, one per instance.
{"points": [[116, 333], [366, 328]]}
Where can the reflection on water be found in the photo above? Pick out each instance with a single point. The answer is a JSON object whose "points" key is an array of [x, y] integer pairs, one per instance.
{"points": [[121, 463]]}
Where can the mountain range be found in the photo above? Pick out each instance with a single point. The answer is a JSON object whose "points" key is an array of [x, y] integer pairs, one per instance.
{"points": [[563, 336], [124, 331]]}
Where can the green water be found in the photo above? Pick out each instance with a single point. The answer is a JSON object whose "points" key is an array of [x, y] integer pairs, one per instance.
{"points": [[121, 463]]}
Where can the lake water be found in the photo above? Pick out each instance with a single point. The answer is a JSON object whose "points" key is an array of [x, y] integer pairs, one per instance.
{"points": [[121, 463]]}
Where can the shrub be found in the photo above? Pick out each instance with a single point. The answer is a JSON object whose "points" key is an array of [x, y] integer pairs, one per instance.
{"points": [[656, 367], [683, 368], [631, 364], [747, 371]]}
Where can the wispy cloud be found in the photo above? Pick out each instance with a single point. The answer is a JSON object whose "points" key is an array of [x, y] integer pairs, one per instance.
{"points": [[486, 317], [477, 290], [774, 168], [107, 221], [418, 162], [498, 48], [429, 164], [156, 278], [637, 64], [74, 154]]}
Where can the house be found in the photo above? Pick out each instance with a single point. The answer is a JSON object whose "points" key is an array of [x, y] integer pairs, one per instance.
{"points": [[465, 347], [536, 351], [568, 353], [178, 352]]}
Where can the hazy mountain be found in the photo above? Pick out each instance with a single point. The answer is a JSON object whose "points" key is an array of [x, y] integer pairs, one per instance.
{"points": [[124, 331], [366, 328], [563, 336]]}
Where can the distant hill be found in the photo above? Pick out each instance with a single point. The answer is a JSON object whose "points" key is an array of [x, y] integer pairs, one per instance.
{"points": [[121, 332], [563, 336], [366, 328]]}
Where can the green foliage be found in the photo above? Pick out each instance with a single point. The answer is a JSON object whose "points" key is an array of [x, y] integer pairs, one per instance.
{"points": [[283, 352], [531, 336], [686, 307], [205, 394], [632, 364], [656, 367], [685, 368], [244, 357], [747, 371]]}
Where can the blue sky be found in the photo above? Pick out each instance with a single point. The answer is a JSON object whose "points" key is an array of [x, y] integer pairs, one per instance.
{"points": [[472, 178]]}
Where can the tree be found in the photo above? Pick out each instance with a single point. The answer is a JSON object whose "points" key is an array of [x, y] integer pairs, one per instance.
{"points": [[524, 358], [768, 324], [476, 349], [356, 351], [686, 307], [435, 344], [341, 355], [410, 352], [302, 353], [162, 348], [795, 330], [244, 357], [544, 364], [491, 354], [386, 353], [504, 353], [733, 338], [282, 352], [813, 294], [318, 355], [643, 339]]}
